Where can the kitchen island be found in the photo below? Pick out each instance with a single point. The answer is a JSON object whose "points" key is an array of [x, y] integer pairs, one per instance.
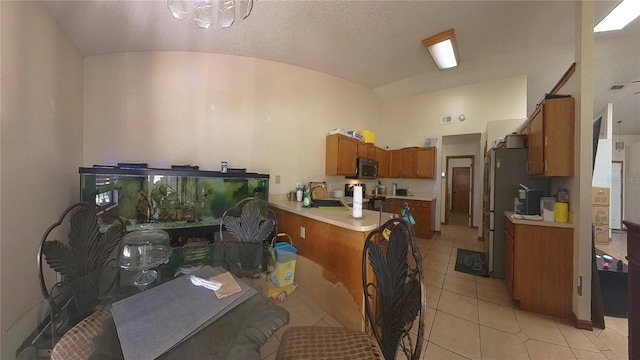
{"points": [[332, 239]]}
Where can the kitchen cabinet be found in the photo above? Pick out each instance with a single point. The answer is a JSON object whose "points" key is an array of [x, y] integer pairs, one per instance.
{"points": [[550, 138], [422, 211], [341, 154], [382, 157], [426, 163], [414, 162], [395, 163], [539, 266], [409, 156]]}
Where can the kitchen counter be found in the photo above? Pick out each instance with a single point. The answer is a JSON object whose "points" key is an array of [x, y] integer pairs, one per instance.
{"points": [[538, 222], [333, 216]]}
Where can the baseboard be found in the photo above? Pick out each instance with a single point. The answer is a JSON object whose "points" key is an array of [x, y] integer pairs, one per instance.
{"points": [[581, 324]]}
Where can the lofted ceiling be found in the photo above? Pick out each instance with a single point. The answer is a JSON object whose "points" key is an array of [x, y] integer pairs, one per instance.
{"points": [[378, 43]]}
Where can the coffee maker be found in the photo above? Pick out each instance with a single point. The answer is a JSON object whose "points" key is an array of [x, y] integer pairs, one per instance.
{"points": [[528, 201]]}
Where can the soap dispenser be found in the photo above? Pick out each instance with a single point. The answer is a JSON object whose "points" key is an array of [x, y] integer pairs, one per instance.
{"points": [[306, 201]]}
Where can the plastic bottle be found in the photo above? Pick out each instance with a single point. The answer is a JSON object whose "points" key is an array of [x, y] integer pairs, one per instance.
{"points": [[563, 195], [561, 207], [299, 194], [306, 201]]}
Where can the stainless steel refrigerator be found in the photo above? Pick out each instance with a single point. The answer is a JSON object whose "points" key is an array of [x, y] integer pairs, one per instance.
{"points": [[504, 171]]}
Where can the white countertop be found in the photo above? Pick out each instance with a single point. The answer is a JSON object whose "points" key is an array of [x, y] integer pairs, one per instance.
{"points": [[333, 216], [538, 223]]}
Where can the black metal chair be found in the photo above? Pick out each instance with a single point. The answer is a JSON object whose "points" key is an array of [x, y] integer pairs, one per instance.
{"points": [[247, 231], [394, 300], [86, 267]]}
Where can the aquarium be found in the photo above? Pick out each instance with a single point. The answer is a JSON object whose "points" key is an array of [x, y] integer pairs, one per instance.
{"points": [[188, 204]]}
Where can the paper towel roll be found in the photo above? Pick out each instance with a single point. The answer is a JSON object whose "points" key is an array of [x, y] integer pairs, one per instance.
{"points": [[357, 201]]}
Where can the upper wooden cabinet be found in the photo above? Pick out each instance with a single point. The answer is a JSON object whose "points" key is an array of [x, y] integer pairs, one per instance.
{"points": [[395, 163], [415, 162], [409, 156], [426, 163], [382, 157], [341, 155], [550, 137]]}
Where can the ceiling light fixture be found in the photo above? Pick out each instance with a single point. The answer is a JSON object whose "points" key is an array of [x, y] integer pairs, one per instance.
{"points": [[443, 49], [619, 144], [624, 13], [204, 11]]}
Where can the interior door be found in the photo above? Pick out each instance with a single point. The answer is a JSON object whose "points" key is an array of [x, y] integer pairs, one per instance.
{"points": [[461, 184]]}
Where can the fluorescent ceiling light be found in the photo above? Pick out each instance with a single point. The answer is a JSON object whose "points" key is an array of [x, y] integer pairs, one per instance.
{"points": [[624, 13], [442, 48]]}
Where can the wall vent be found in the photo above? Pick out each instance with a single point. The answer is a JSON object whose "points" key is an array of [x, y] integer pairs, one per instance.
{"points": [[446, 119], [616, 87]]}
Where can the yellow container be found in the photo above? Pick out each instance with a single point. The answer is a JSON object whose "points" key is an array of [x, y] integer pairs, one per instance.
{"points": [[369, 136], [285, 267], [561, 212]]}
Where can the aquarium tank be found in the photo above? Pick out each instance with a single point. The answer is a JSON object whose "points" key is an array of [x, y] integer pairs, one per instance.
{"points": [[187, 203]]}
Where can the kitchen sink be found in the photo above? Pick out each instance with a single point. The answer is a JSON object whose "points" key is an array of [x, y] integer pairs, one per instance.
{"points": [[326, 203]]}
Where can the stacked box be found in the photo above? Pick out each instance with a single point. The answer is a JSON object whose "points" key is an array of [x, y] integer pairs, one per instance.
{"points": [[600, 213]]}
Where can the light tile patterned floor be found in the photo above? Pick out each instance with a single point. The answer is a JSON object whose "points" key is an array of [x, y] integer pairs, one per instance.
{"points": [[470, 317]]}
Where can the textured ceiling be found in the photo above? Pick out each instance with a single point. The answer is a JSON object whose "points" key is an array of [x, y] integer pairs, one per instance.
{"points": [[378, 43]]}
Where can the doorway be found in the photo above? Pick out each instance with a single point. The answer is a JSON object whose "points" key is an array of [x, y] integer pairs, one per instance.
{"points": [[459, 190]]}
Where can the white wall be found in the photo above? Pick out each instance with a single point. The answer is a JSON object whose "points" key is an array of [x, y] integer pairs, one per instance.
{"points": [[41, 149], [408, 122], [500, 128], [632, 183], [168, 108]]}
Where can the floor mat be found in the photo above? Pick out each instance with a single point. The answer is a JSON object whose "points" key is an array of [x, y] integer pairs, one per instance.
{"points": [[471, 262]]}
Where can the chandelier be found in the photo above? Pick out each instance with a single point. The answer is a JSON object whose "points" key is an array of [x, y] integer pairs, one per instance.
{"points": [[204, 11]]}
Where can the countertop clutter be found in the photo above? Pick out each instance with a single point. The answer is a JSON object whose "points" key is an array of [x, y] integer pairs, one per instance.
{"points": [[514, 218]]}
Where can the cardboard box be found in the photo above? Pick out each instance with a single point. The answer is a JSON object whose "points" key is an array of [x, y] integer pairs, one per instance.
{"points": [[601, 234], [600, 196], [600, 215]]}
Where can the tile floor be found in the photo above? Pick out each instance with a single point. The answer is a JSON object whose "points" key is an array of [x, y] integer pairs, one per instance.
{"points": [[470, 317]]}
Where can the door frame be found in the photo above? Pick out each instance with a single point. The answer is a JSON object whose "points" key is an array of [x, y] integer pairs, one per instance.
{"points": [[447, 190]]}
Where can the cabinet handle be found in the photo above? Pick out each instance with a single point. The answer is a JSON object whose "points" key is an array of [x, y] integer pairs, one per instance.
{"points": [[527, 166]]}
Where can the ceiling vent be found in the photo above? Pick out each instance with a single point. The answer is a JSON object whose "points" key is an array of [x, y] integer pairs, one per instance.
{"points": [[616, 87], [446, 119]]}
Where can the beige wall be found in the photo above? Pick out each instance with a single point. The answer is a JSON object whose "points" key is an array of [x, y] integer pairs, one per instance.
{"points": [[168, 108], [410, 121], [41, 146]]}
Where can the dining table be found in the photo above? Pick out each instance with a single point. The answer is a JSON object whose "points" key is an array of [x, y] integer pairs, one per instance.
{"points": [[171, 318]]}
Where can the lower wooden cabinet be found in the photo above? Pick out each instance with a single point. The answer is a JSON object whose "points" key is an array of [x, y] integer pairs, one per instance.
{"points": [[539, 267], [423, 213]]}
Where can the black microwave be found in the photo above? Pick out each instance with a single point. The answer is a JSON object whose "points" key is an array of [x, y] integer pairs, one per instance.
{"points": [[365, 169]]}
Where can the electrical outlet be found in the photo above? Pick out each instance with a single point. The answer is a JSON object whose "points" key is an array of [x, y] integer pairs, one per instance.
{"points": [[302, 232], [330, 186], [277, 179], [579, 285]]}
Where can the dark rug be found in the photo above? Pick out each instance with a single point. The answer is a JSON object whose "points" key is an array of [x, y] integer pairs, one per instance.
{"points": [[471, 262]]}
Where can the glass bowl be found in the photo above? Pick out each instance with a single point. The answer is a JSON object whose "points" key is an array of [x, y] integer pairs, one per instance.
{"points": [[143, 250]]}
